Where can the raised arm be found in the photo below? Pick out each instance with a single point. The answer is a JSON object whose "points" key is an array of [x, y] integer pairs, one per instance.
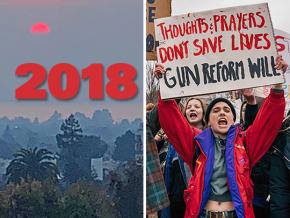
{"points": [[177, 129], [261, 134], [175, 125]]}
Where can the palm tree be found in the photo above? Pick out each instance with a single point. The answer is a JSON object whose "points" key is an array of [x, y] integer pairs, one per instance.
{"points": [[32, 165]]}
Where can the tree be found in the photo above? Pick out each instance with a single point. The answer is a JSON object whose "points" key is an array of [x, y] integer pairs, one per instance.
{"points": [[125, 147], [74, 172], [90, 147], [87, 199], [32, 164], [76, 151], [151, 84], [30, 200], [70, 135], [71, 132], [132, 192], [79, 167], [139, 139], [7, 135]]}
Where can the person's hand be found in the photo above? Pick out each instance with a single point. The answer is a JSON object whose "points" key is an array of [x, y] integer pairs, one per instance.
{"points": [[160, 136], [281, 64], [157, 138], [249, 95], [159, 70], [165, 137]]}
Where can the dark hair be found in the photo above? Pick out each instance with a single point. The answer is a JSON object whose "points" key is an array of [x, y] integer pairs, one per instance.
{"points": [[203, 106], [215, 101]]}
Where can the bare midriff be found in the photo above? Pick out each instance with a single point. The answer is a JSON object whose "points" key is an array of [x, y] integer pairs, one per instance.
{"points": [[219, 206]]}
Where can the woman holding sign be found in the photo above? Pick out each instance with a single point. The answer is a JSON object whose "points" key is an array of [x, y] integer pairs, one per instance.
{"points": [[221, 156]]}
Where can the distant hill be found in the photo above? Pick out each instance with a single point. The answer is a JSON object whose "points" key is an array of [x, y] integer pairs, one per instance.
{"points": [[22, 132], [7, 149]]}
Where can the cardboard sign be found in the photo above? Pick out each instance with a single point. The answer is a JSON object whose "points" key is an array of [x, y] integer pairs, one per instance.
{"points": [[154, 9], [215, 51], [283, 47]]}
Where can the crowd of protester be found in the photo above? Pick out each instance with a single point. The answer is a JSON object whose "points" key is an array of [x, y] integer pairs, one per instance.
{"points": [[209, 164]]}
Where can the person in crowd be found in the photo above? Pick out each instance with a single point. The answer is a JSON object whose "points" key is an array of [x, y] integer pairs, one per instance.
{"points": [[156, 194], [222, 155], [176, 172], [279, 173], [194, 112], [242, 114], [249, 108], [270, 175], [260, 172]]}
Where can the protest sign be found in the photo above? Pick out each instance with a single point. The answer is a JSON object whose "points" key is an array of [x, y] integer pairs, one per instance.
{"points": [[215, 51], [283, 47], [154, 9]]}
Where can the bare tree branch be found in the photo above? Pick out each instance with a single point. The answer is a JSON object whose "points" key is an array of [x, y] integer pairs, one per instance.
{"points": [[152, 84]]}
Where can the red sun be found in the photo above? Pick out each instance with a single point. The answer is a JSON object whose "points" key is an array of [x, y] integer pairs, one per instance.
{"points": [[40, 28]]}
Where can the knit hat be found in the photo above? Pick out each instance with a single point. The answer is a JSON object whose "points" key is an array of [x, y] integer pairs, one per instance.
{"points": [[213, 102]]}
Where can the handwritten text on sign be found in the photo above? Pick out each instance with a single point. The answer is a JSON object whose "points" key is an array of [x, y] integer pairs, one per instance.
{"points": [[215, 51], [283, 47]]}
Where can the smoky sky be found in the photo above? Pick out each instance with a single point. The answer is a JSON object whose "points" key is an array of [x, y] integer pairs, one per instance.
{"points": [[81, 33]]}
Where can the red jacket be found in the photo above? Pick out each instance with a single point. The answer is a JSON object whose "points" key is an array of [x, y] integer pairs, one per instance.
{"points": [[243, 150]]}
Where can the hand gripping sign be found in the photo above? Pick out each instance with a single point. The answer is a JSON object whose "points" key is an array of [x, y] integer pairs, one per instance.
{"points": [[215, 51], [283, 47]]}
